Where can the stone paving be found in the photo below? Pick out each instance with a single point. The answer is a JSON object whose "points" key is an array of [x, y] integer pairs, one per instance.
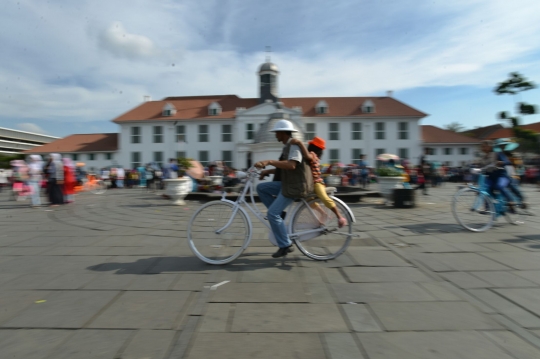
{"points": [[112, 277]]}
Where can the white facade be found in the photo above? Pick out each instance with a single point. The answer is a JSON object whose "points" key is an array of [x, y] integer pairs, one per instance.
{"points": [[15, 141], [346, 138], [453, 154]]}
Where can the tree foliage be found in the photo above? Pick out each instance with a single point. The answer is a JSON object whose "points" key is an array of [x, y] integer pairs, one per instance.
{"points": [[515, 84], [454, 127], [5, 159]]}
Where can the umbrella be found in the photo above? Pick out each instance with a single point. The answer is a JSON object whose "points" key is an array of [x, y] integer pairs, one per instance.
{"points": [[196, 171], [387, 156]]}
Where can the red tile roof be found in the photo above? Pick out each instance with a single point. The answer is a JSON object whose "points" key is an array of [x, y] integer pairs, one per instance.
{"points": [[196, 107], [432, 134], [94, 142]]}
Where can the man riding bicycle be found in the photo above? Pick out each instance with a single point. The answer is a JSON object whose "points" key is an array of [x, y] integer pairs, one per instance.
{"points": [[296, 181]]}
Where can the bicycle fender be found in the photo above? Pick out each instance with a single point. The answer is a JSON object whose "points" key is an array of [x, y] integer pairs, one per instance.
{"points": [[344, 205]]}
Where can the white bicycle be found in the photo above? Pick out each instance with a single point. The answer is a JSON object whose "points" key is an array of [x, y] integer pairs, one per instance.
{"points": [[221, 230]]}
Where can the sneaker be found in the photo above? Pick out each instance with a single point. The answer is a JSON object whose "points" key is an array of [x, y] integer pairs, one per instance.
{"points": [[283, 251], [524, 205]]}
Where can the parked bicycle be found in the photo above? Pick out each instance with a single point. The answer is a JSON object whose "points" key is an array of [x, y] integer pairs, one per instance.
{"points": [[476, 210], [220, 231]]}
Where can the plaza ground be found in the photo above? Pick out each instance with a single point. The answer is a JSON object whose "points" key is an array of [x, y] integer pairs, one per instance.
{"points": [[112, 276]]}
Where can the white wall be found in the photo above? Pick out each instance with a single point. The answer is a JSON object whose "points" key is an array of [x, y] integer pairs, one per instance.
{"points": [[455, 159]]}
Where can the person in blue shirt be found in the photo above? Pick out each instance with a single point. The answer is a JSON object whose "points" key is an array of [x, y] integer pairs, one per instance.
{"points": [[363, 170]]}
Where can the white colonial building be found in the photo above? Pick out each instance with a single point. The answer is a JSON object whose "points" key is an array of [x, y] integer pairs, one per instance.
{"points": [[235, 130]]}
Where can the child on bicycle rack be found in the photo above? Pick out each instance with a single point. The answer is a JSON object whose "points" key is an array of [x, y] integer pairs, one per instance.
{"points": [[313, 154]]}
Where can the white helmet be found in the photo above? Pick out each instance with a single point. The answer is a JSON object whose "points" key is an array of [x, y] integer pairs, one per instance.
{"points": [[284, 125]]}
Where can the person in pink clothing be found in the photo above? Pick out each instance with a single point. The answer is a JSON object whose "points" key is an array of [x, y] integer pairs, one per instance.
{"points": [[69, 180]]}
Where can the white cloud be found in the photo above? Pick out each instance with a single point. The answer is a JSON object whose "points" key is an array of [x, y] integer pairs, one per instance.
{"points": [[31, 127], [119, 42]]}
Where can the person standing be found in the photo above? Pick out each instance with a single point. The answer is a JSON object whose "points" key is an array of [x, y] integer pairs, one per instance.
{"points": [[35, 170], [296, 182], [55, 179], [69, 180], [364, 171]]}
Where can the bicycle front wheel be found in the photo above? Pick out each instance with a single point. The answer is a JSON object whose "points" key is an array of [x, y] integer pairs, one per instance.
{"points": [[315, 231], [218, 232], [99, 187], [474, 210]]}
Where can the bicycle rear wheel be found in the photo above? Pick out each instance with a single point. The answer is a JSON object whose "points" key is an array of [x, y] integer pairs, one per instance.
{"points": [[99, 187], [218, 232], [474, 210], [327, 241]]}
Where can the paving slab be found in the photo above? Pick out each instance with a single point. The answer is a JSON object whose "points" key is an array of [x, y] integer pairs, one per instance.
{"points": [[468, 261], [287, 317], [361, 318], [528, 298], [342, 346], [259, 292], [216, 317], [432, 316], [465, 280], [143, 310], [276, 274], [30, 343], [430, 345], [191, 282], [256, 346], [153, 282], [91, 344], [504, 279], [519, 315], [384, 274], [152, 344], [513, 344], [62, 309], [517, 260], [377, 258], [377, 292], [531, 275]]}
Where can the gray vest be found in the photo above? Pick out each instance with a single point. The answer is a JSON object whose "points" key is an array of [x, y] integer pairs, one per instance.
{"points": [[297, 183]]}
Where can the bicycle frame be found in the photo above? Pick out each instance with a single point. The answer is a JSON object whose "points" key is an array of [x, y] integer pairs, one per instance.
{"points": [[499, 202]]}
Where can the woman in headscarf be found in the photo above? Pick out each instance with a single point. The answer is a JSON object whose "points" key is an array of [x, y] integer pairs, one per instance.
{"points": [[35, 170], [69, 180], [55, 179]]}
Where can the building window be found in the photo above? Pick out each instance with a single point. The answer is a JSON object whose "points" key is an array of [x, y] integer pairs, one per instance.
{"points": [[379, 151], [181, 133], [203, 157], [250, 131], [158, 134], [321, 107], [75, 157], [108, 156], [355, 154], [203, 133], [158, 158], [433, 151], [135, 159], [214, 109], [403, 131], [403, 153], [311, 128], [333, 134], [334, 155], [379, 131], [226, 157], [368, 107], [448, 150], [91, 156], [168, 110], [356, 133], [181, 154], [226, 133], [136, 134], [463, 151]]}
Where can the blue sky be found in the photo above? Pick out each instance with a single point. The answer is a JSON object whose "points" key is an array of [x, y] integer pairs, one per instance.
{"points": [[72, 66]]}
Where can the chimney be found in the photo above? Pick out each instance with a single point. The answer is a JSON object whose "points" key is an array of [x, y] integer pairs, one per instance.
{"points": [[147, 98], [389, 93]]}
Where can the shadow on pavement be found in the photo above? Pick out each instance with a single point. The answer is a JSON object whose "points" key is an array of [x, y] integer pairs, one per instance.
{"points": [[158, 265]]}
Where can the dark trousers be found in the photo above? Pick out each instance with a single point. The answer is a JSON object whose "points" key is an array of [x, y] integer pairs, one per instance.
{"points": [[55, 192]]}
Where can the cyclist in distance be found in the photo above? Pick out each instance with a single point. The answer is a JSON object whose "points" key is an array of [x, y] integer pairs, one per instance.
{"points": [[313, 153], [295, 181]]}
